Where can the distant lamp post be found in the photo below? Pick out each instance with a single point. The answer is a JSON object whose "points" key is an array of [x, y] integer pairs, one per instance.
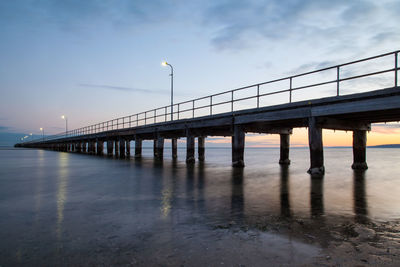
{"points": [[42, 130], [165, 63], [66, 124], [31, 136]]}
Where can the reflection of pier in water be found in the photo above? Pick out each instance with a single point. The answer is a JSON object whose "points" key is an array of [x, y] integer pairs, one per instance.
{"points": [[233, 207]]}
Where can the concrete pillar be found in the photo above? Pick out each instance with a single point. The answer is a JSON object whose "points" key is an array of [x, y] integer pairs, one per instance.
{"points": [[122, 148], [238, 146], [190, 148], [200, 147], [359, 150], [138, 147], [110, 148], [116, 148], [285, 144], [84, 147], [79, 147], [100, 147], [160, 148], [316, 148], [128, 147], [92, 147], [174, 143]]}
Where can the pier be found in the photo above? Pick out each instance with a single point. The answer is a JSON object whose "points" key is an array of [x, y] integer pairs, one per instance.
{"points": [[198, 118]]}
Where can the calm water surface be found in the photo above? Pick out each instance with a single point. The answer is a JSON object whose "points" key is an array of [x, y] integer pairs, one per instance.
{"points": [[71, 209]]}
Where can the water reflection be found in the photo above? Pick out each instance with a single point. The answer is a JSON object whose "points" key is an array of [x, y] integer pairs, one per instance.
{"points": [[317, 196], [39, 183], [359, 197], [62, 191], [237, 197], [284, 192]]}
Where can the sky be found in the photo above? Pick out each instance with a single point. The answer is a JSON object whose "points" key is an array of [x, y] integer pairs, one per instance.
{"points": [[96, 60]]}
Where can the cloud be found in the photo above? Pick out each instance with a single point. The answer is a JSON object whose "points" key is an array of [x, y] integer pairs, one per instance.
{"points": [[124, 89], [390, 128], [71, 14], [333, 24]]}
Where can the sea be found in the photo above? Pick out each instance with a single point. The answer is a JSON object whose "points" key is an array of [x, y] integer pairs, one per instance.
{"points": [[70, 209]]}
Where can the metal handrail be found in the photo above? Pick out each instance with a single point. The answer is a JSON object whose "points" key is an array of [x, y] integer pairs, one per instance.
{"points": [[162, 114]]}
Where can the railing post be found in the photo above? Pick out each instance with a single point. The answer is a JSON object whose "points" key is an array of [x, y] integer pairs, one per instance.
{"points": [[130, 119], [193, 108], [137, 120], [210, 105], [232, 101], [178, 111], [395, 66], [258, 95], [337, 80], [290, 89], [155, 114], [165, 111], [123, 122], [145, 118]]}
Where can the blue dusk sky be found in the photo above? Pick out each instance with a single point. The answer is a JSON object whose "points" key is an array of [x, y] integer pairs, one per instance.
{"points": [[96, 60]]}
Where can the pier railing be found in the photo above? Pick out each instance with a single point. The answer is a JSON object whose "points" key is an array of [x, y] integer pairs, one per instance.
{"points": [[209, 105]]}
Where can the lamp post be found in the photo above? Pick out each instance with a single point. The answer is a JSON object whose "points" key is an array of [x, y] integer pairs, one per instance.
{"points": [[31, 136], [165, 63], [42, 130], [66, 124]]}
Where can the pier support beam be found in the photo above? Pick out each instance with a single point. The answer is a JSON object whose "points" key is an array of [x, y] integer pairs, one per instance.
{"points": [[316, 148], [238, 146], [110, 148], [128, 147], [100, 147], [190, 148], [122, 148], [174, 144], [79, 147], [116, 148], [155, 148], [359, 150], [138, 147], [285, 144], [200, 147], [84, 147], [93, 147], [159, 151]]}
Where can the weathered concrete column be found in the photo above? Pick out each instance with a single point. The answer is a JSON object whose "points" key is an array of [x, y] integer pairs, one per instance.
{"points": [[79, 147], [122, 148], [84, 147], [110, 148], [200, 147], [190, 148], [160, 148], [174, 144], [238, 146], [359, 150], [138, 147], [116, 148], [92, 147], [100, 147], [128, 147], [285, 144], [316, 148]]}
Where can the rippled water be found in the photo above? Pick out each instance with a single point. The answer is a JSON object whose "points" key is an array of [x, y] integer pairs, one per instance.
{"points": [[66, 209]]}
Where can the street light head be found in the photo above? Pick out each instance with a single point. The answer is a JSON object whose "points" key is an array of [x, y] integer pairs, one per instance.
{"points": [[63, 117], [164, 63], [41, 129], [30, 134]]}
